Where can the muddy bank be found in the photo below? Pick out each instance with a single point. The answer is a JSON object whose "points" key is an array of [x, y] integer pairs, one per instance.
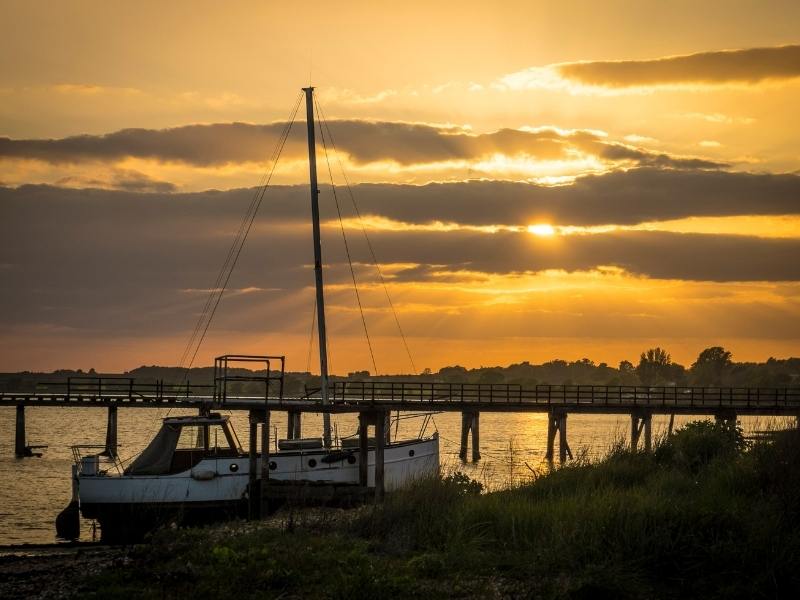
{"points": [[54, 571]]}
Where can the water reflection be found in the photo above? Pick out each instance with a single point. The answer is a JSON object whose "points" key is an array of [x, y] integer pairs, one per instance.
{"points": [[513, 446]]}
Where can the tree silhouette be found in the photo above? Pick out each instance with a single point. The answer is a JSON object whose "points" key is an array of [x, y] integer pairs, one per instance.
{"points": [[711, 366], [654, 366], [627, 373]]}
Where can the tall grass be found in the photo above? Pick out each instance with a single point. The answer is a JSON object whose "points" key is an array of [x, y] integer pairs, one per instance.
{"points": [[704, 515]]}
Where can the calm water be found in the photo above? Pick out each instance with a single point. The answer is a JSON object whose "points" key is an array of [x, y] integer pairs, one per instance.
{"points": [[35, 490]]}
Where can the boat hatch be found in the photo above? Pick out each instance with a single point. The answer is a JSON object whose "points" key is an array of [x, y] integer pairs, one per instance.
{"points": [[300, 444], [183, 442]]}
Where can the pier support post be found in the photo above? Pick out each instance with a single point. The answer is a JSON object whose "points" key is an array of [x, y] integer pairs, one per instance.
{"points": [[19, 433], [387, 419], [380, 442], [294, 429], [470, 422], [264, 512], [476, 437], [727, 417], [563, 446], [641, 422], [557, 423], [252, 507], [363, 449], [465, 422], [111, 432]]}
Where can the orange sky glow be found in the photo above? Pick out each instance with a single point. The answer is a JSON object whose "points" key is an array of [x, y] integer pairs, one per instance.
{"points": [[537, 180]]}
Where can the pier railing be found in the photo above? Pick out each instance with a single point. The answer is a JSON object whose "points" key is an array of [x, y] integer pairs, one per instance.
{"points": [[431, 393], [422, 395], [120, 387]]}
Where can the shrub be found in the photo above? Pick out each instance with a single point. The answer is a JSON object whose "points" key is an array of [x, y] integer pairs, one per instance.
{"points": [[698, 443]]}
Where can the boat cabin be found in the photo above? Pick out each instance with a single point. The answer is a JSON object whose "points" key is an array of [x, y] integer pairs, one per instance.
{"points": [[183, 442]]}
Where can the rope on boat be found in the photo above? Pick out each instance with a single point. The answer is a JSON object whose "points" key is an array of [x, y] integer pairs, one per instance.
{"points": [[376, 264], [223, 277], [221, 283], [347, 247]]}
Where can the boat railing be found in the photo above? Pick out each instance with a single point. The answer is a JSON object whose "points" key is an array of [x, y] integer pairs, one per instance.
{"points": [[90, 457], [226, 372]]}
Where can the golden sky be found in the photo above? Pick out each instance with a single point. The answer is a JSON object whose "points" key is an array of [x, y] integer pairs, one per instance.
{"points": [[539, 180]]}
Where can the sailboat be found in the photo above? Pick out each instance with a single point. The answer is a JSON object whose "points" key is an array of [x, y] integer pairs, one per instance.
{"points": [[195, 469]]}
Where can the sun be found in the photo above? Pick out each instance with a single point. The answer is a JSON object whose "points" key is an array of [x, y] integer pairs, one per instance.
{"points": [[542, 229]]}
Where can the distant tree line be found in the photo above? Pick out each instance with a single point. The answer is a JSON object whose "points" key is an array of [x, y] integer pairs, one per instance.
{"points": [[714, 366]]}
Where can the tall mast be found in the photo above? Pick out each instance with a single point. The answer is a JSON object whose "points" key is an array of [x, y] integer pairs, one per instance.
{"points": [[323, 340]]}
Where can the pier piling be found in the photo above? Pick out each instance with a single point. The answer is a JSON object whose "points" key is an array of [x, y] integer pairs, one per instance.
{"points": [[726, 417], [111, 432], [563, 445], [363, 449], [387, 420], [557, 423], [476, 437], [641, 422], [294, 428], [19, 433], [265, 465], [470, 422], [252, 507], [380, 442]]}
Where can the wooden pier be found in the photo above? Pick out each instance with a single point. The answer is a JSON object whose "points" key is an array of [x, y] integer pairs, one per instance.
{"points": [[640, 402], [373, 400]]}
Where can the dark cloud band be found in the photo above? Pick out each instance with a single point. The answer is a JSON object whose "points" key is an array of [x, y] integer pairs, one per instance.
{"points": [[363, 141], [96, 260], [621, 197], [749, 65]]}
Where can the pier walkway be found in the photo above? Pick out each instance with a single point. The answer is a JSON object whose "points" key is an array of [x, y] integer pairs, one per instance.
{"points": [[356, 396], [379, 397]]}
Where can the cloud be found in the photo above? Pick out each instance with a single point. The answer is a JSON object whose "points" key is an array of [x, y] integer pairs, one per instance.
{"points": [[364, 142], [85, 89], [121, 266], [621, 197], [751, 65], [656, 255], [747, 66], [115, 240], [626, 197], [119, 179], [717, 118]]}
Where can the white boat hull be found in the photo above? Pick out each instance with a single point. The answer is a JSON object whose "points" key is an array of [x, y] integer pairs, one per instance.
{"points": [[216, 485]]}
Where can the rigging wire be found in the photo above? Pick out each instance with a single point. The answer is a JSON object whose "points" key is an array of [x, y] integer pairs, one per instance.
{"points": [[223, 278], [232, 249], [347, 247], [375, 262]]}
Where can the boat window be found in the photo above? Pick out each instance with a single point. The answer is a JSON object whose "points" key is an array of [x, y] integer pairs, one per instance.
{"points": [[203, 437], [191, 437]]}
